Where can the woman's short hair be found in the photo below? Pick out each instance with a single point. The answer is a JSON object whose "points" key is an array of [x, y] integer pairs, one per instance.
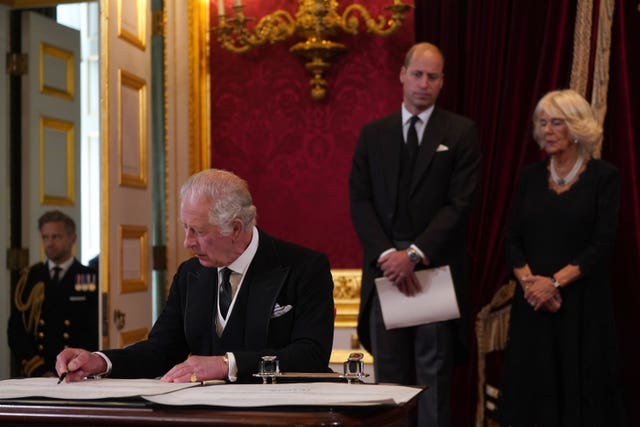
{"points": [[229, 196], [577, 114]]}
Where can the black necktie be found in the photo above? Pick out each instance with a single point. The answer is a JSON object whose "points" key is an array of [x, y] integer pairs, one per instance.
{"points": [[56, 274], [402, 223], [412, 138], [225, 292]]}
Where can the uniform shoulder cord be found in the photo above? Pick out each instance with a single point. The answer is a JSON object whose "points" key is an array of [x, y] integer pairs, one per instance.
{"points": [[31, 307]]}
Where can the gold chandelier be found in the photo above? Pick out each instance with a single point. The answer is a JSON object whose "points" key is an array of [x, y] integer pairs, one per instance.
{"points": [[317, 22]]}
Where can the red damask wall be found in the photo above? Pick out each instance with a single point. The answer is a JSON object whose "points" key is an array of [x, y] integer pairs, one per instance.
{"points": [[294, 152]]}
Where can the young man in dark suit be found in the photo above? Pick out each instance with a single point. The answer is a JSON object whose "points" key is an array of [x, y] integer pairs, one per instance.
{"points": [[55, 303], [243, 296], [412, 181]]}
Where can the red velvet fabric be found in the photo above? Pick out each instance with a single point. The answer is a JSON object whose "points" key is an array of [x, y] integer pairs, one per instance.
{"points": [[294, 152]]}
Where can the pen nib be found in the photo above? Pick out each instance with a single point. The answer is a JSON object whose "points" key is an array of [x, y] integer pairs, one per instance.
{"points": [[62, 377]]}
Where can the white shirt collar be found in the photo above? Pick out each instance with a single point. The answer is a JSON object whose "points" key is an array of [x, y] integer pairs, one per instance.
{"points": [[424, 115], [241, 263], [63, 266]]}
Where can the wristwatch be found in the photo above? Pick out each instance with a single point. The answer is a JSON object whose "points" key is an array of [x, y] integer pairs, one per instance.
{"points": [[413, 255]]}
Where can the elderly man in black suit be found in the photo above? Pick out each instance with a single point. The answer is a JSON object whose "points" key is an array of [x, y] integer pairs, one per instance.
{"points": [[412, 182], [244, 295]]}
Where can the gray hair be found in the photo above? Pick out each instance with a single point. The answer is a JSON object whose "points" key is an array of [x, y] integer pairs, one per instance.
{"points": [[229, 196], [570, 106]]}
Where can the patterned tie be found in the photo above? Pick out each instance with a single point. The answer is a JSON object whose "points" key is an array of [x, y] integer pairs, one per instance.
{"points": [[56, 274], [225, 292]]}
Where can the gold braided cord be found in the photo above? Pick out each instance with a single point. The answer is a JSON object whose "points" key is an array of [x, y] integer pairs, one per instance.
{"points": [[581, 47], [29, 366], [601, 66], [31, 307]]}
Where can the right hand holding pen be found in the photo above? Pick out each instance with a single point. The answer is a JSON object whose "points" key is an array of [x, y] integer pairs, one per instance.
{"points": [[79, 364]]}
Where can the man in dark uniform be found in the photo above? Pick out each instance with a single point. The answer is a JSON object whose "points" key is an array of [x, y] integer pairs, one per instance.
{"points": [[55, 304]]}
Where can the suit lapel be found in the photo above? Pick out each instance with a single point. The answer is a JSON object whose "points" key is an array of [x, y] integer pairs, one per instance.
{"points": [[432, 138], [392, 142], [200, 309], [263, 282]]}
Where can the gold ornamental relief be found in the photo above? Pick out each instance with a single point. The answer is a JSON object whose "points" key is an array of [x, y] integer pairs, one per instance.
{"points": [[346, 296]]}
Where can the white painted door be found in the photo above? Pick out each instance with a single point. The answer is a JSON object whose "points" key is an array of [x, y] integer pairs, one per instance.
{"points": [[126, 255], [50, 125]]}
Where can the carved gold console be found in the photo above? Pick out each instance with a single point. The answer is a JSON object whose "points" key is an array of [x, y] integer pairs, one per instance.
{"points": [[346, 296]]}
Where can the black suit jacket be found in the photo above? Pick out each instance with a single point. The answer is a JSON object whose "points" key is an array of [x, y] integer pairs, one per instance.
{"points": [[68, 317], [442, 187], [281, 273]]}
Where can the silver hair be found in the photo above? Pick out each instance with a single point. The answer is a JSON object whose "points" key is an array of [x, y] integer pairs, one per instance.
{"points": [[228, 194], [570, 106]]}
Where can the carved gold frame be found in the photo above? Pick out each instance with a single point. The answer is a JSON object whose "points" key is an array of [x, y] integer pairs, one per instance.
{"points": [[64, 55], [141, 234], [69, 130]]}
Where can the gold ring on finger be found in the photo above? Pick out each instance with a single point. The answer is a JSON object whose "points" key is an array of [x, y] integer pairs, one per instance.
{"points": [[194, 379]]}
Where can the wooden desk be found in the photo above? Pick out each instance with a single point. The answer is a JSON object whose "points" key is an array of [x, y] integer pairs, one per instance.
{"points": [[49, 413]]}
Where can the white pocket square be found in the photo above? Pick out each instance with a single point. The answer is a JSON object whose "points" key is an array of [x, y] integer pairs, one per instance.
{"points": [[278, 310], [442, 148]]}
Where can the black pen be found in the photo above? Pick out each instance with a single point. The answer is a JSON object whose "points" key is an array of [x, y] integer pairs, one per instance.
{"points": [[62, 377]]}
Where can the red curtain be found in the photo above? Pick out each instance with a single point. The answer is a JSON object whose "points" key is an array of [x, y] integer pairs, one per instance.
{"points": [[501, 57], [622, 147]]}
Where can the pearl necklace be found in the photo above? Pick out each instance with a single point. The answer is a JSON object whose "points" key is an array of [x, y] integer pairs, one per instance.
{"points": [[570, 176]]}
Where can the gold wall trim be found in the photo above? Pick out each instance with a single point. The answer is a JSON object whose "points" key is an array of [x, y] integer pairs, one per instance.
{"points": [[137, 178], [105, 174], [68, 129], [346, 296], [139, 237], [133, 336], [68, 92], [199, 93], [136, 36]]}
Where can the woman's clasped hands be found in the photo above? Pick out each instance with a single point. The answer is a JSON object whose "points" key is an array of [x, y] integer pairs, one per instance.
{"points": [[541, 294]]}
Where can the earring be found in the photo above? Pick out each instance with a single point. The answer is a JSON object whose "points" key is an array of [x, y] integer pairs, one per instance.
{"points": [[576, 140]]}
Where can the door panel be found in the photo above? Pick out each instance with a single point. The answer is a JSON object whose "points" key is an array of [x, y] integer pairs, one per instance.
{"points": [[125, 259], [50, 125]]}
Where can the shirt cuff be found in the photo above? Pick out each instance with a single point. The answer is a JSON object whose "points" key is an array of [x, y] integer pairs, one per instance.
{"points": [[109, 365], [233, 368], [422, 255], [388, 251]]}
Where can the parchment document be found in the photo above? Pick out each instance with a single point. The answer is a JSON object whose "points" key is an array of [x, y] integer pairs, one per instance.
{"points": [[436, 302], [308, 394], [85, 390]]}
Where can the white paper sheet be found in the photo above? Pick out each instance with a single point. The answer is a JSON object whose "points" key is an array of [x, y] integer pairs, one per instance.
{"points": [[85, 390], [436, 302], [289, 394]]}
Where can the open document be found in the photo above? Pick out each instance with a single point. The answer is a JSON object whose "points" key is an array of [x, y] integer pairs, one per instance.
{"points": [[290, 394], [218, 394], [436, 302], [105, 388]]}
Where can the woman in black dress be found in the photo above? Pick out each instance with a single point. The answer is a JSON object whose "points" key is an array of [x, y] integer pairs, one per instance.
{"points": [[560, 362]]}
